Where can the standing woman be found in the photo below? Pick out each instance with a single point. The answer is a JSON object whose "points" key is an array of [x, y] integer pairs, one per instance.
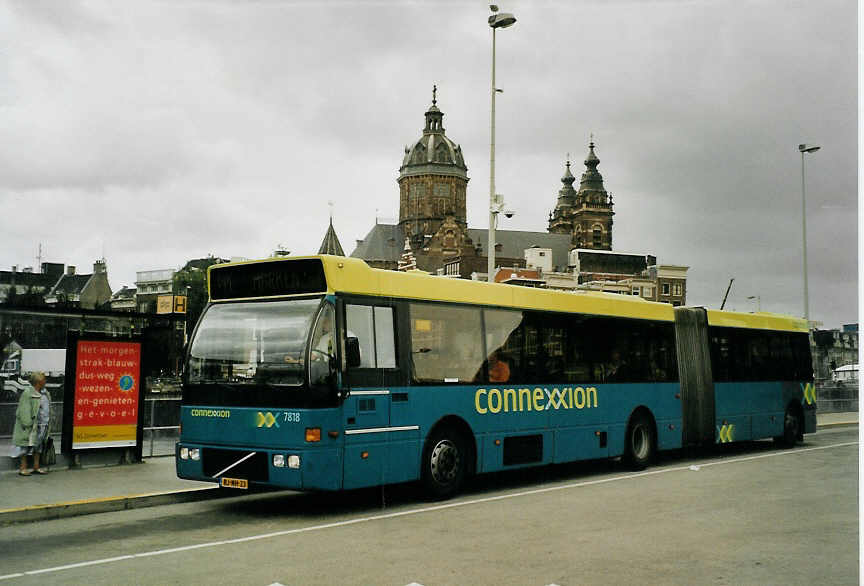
{"points": [[31, 423], [43, 419]]}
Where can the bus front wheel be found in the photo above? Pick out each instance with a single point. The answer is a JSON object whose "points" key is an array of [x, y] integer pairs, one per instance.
{"points": [[639, 442], [444, 463]]}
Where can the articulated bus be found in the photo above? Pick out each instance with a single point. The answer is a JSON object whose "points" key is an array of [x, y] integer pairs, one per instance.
{"points": [[321, 373]]}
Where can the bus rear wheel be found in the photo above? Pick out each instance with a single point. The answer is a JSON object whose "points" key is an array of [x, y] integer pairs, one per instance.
{"points": [[791, 429], [445, 461], [639, 442]]}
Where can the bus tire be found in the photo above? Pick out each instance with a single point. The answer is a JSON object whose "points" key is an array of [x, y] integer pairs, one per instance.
{"points": [[445, 462], [792, 428], [639, 443]]}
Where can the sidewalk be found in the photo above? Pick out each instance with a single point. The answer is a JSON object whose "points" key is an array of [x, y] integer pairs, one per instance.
{"points": [[828, 420], [69, 492]]}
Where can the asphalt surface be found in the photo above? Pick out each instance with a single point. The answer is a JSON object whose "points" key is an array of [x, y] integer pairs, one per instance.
{"points": [[745, 513], [66, 492]]}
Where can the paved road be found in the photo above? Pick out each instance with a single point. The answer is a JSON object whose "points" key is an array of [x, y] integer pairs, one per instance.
{"points": [[748, 514]]}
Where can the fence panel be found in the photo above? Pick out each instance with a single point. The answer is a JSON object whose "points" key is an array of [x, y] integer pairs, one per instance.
{"points": [[161, 424]]}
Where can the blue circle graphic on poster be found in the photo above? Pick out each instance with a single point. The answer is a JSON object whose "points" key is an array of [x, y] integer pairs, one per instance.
{"points": [[126, 382]]}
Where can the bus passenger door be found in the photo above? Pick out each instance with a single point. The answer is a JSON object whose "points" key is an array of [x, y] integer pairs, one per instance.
{"points": [[375, 451]]}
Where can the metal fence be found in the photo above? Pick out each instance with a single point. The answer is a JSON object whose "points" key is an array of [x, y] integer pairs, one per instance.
{"points": [[836, 397], [162, 415], [161, 424]]}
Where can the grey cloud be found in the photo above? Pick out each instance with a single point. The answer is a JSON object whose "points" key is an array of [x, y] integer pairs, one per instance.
{"points": [[245, 119]]}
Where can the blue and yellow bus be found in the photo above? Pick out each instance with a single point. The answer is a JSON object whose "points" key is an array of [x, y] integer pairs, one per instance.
{"points": [[321, 373]]}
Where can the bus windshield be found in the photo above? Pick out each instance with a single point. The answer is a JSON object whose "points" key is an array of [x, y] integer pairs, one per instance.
{"points": [[252, 343]]}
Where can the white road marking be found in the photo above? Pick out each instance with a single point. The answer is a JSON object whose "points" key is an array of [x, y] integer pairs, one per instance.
{"points": [[410, 512]]}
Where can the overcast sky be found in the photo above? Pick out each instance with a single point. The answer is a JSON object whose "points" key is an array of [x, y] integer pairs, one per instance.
{"points": [[164, 131]]}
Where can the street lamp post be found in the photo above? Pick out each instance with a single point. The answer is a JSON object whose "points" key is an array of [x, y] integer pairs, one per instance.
{"points": [[496, 20], [803, 148]]}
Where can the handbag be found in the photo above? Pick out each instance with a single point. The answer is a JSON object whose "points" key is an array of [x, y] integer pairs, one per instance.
{"points": [[48, 457]]}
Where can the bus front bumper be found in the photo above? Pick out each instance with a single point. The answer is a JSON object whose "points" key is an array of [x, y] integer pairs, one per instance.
{"points": [[238, 467]]}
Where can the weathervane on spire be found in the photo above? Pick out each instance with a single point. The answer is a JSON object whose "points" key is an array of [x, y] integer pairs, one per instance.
{"points": [[592, 138], [330, 203], [434, 91]]}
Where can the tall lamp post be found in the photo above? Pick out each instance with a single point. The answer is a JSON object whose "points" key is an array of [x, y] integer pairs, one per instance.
{"points": [[496, 20], [804, 148]]}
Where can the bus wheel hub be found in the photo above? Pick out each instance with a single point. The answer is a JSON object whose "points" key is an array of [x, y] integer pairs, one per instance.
{"points": [[444, 461]]}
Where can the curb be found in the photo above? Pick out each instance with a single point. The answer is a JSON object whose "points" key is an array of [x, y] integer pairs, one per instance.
{"points": [[107, 505], [836, 424]]}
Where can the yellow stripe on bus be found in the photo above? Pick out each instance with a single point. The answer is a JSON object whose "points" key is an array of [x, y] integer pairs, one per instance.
{"points": [[352, 275], [757, 321]]}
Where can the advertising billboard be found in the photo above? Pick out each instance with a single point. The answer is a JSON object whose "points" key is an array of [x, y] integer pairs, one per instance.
{"points": [[106, 402]]}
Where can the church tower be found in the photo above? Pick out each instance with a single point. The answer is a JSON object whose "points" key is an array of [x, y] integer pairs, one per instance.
{"points": [[585, 214], [433, 180]]}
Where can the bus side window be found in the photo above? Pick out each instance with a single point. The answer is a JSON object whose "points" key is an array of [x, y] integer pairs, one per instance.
{"points": [[385, 342], [446, 343], [358, 321], [373, 328], [503, 345]]}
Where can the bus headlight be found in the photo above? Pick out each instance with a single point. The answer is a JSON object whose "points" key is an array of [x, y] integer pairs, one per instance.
{"points": [[294, 461], [195, 454], [278, 460], [184, 453]]}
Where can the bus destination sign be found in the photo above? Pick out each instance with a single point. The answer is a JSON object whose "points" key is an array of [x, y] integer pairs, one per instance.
{"points": [[267, 279]]}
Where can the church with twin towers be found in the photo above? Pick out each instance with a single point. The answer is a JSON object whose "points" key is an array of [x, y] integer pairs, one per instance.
{"points": [[575, 251]]}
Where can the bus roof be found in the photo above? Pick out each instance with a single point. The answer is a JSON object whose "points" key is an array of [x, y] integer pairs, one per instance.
{"points": [[339, 274], [757, 321], [352, 275]]}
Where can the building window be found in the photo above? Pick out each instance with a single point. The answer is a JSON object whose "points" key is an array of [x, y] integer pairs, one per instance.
{"points": [[676, 290], [598, 236], [636, 290], [665, 289]]}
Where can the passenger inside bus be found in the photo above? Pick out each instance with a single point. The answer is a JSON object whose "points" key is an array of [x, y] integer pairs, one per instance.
{"points": [[499, 368], [616, 370]]}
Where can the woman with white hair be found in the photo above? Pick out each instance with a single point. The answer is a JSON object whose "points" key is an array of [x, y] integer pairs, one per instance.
{"points": [[31, 423]]}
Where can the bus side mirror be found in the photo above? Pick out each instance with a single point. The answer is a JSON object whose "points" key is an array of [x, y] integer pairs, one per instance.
{"points": [[352, 351]]}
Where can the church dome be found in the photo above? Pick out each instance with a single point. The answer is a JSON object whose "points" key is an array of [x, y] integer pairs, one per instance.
{"points": [[434, 152]]}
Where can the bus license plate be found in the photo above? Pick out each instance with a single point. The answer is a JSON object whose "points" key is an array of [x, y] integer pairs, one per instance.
{"points": [[235, 483]]}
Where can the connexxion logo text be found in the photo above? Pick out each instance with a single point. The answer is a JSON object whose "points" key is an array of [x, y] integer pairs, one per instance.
{"points": [[537, 399], [223, 413]]}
